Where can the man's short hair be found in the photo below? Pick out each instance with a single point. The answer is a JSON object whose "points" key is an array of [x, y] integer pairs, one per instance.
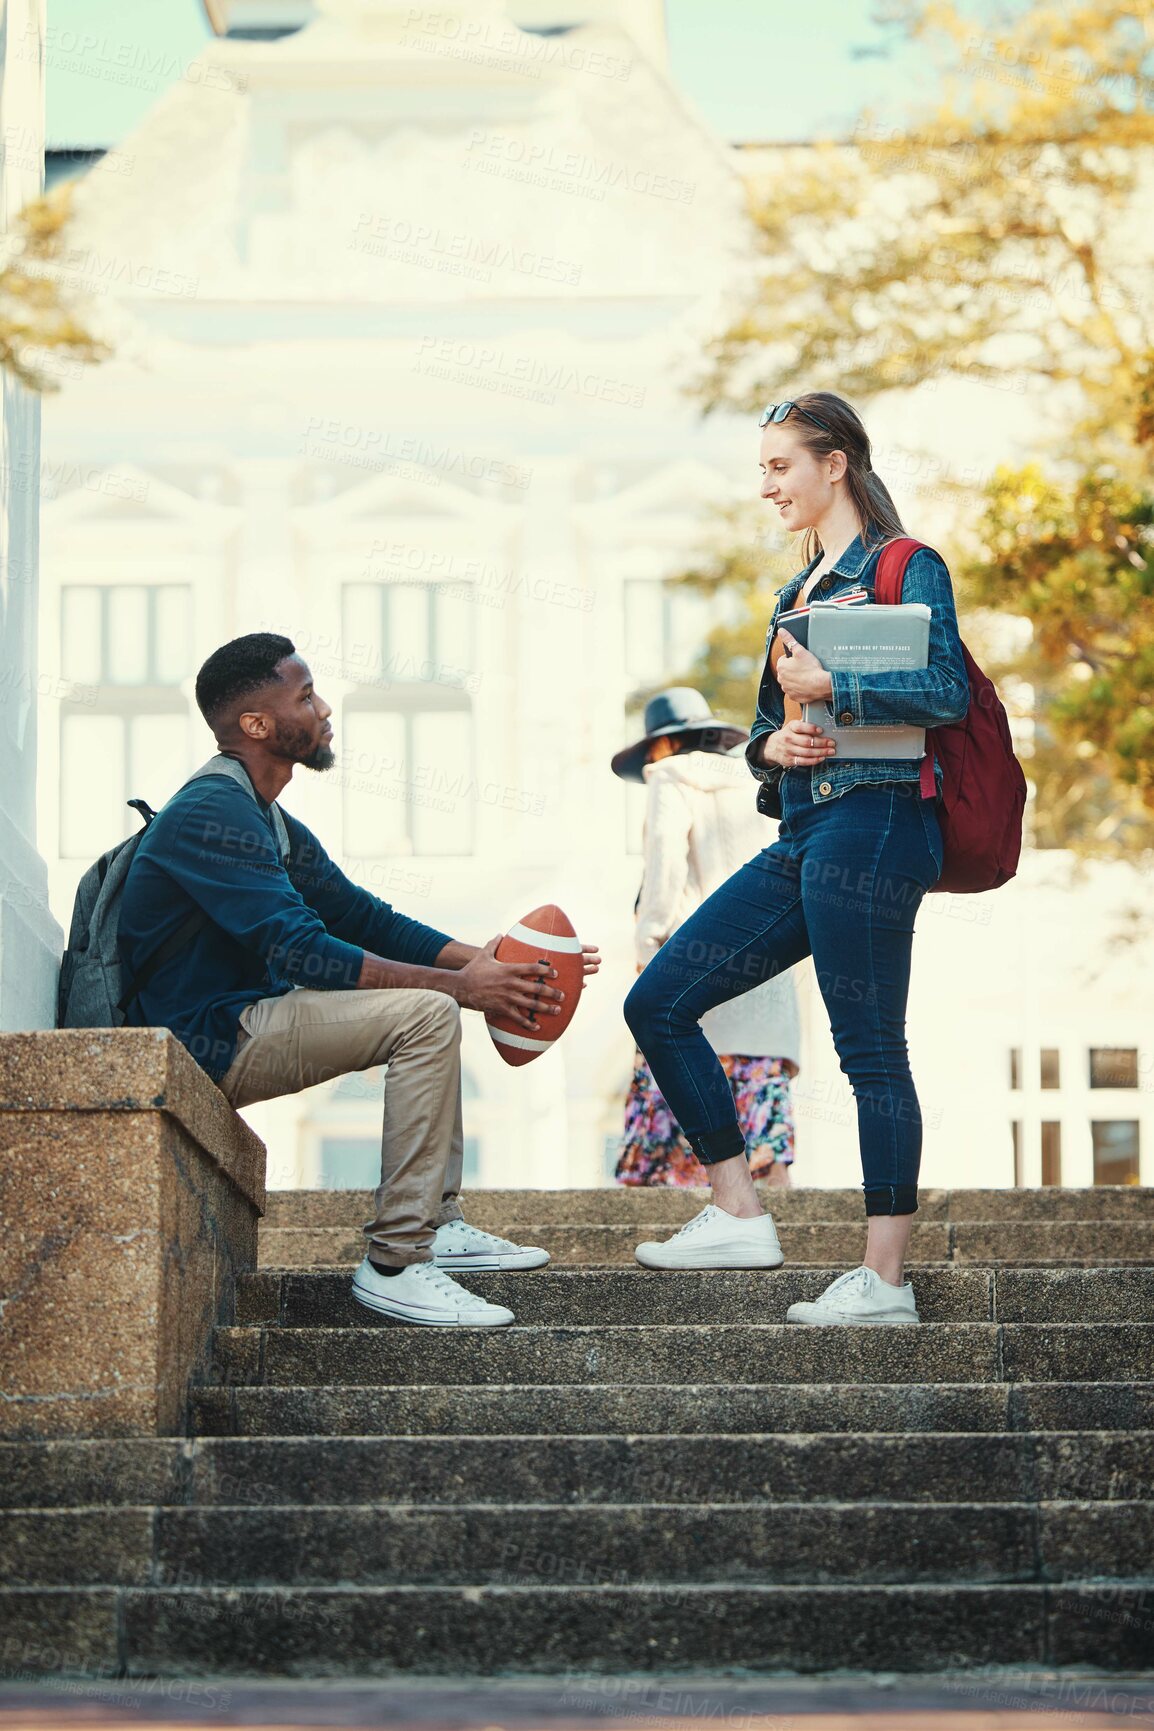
{"points": [[240, 669]]}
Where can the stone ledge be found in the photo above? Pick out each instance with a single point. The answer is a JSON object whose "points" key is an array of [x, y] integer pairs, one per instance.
{"points": [[130, 1070], [131, 1192]]}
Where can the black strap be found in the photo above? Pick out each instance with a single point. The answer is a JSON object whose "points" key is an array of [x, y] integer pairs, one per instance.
{"points": [[197, 921], [171, 946]]}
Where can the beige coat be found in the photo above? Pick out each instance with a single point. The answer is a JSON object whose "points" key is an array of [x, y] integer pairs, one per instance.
{"points": [[701, 825]]}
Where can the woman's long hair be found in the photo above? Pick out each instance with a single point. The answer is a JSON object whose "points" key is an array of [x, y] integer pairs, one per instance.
{"points": [[876, 510]]}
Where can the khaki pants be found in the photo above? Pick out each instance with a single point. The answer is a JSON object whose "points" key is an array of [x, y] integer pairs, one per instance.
{"points": [[304, 1037]]}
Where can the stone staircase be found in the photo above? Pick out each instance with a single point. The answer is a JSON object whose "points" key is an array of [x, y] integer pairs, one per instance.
{"points": [[649, 1472], [307, 1228]]}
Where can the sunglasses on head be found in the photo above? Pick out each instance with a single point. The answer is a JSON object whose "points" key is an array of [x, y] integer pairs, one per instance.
{"points": [[777, 413]]}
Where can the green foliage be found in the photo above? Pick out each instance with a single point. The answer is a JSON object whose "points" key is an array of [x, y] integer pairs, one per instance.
{"points": [[987, 232], [1078, 563], [903, 254]]}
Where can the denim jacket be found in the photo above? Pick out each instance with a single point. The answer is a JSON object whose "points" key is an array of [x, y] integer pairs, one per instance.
{"points": [[924, 697]]}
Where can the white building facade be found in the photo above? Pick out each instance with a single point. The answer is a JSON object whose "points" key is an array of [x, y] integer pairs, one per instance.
{"points": [[405, 318]]}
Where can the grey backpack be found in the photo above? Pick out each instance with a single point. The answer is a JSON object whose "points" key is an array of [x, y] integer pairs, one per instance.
{"points": [[93, 992]]}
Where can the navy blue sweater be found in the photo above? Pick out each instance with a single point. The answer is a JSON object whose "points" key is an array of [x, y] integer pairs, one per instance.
{"points": [[213, 846]]}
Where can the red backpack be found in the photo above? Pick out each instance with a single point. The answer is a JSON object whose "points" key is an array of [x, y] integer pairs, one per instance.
{"points": [[984, 790]]}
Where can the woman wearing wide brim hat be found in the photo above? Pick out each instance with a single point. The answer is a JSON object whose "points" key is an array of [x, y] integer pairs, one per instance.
{"points": [[680, 714], [700, 827]]}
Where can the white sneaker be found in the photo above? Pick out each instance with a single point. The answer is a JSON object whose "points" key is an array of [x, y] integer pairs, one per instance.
{"points": [[456, 1244], [861, 1297], [422, 1292], [715, 1239]]}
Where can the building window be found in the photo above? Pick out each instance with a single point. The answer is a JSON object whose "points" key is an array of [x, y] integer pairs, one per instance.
{"points": [[1015, 1066], [126, 735], [636, 792], [411, 633], [346, 1119], [125, 634], [1051, 1152], [407, 781], [354, 1162], [1113, 1066], [346, 1122], [664, 627], [109, 756], [407, 757], [1115, 1150], [349, 1163], [1050, 1068], [1016, 1141]]}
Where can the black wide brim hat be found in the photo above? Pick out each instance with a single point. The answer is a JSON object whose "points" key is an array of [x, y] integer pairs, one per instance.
{"points": [[679, 710]]}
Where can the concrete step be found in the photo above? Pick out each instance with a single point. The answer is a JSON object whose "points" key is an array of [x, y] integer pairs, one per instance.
{"points": [[600, 1630], [695, 1544], [648, 1472], [1046, 1466], [89, 1471], [1097, 1242], [499, 1210], [655, 1409], [823, 1244], [768, 1352], [945, 1293]]}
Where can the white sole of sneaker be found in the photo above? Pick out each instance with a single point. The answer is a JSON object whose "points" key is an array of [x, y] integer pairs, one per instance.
{"points": [[854, 1321], [704, 1260], [406, 1313], [487, 1264]]}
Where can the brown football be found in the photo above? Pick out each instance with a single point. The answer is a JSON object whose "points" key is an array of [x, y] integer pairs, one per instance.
{"points": [[544, 935]]}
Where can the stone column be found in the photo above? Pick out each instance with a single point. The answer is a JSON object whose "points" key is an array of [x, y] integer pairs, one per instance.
{"points": [[30, 939]]}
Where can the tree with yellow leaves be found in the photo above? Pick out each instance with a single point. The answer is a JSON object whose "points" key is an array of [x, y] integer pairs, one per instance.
{"points": [[996, 232], [983, 235], [1076, 561], [42, 331]]}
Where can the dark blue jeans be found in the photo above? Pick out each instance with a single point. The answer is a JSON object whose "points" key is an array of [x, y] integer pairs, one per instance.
{"points": [[843, 883]]}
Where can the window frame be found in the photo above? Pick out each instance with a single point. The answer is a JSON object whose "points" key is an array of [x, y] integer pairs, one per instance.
{"points": [[106, 592], [374, 690], [1093, 1052], [1098, 1154]]}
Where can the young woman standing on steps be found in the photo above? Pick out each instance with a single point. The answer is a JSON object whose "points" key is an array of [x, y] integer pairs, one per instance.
{"points": [[856, 851]]}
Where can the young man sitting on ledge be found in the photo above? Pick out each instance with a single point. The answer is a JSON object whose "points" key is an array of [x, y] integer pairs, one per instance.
{"points": [[295, 975]]}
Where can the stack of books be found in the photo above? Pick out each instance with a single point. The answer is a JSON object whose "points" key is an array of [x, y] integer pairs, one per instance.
{"points": [[799, 616], [856, 635]]}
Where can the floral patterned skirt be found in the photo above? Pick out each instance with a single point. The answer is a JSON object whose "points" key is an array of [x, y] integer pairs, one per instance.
{"points": [[654, 1151]]}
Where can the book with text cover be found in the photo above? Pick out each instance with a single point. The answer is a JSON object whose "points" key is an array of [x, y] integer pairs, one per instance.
{"points": [[870, 639], [796, 621]]}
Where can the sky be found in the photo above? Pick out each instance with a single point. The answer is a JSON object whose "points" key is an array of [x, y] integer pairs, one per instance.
{"points": [[755, 69], [774, 70]]}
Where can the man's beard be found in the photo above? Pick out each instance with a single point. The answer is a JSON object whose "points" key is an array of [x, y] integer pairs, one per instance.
{"points": [[295, 743]]}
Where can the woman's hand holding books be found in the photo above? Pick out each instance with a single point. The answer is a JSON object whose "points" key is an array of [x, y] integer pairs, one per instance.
{"points": [[800, 674], [797, 745]]}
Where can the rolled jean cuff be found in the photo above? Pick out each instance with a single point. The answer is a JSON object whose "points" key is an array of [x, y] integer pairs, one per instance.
{"points": [[713, 1146], [891, 1199]]}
